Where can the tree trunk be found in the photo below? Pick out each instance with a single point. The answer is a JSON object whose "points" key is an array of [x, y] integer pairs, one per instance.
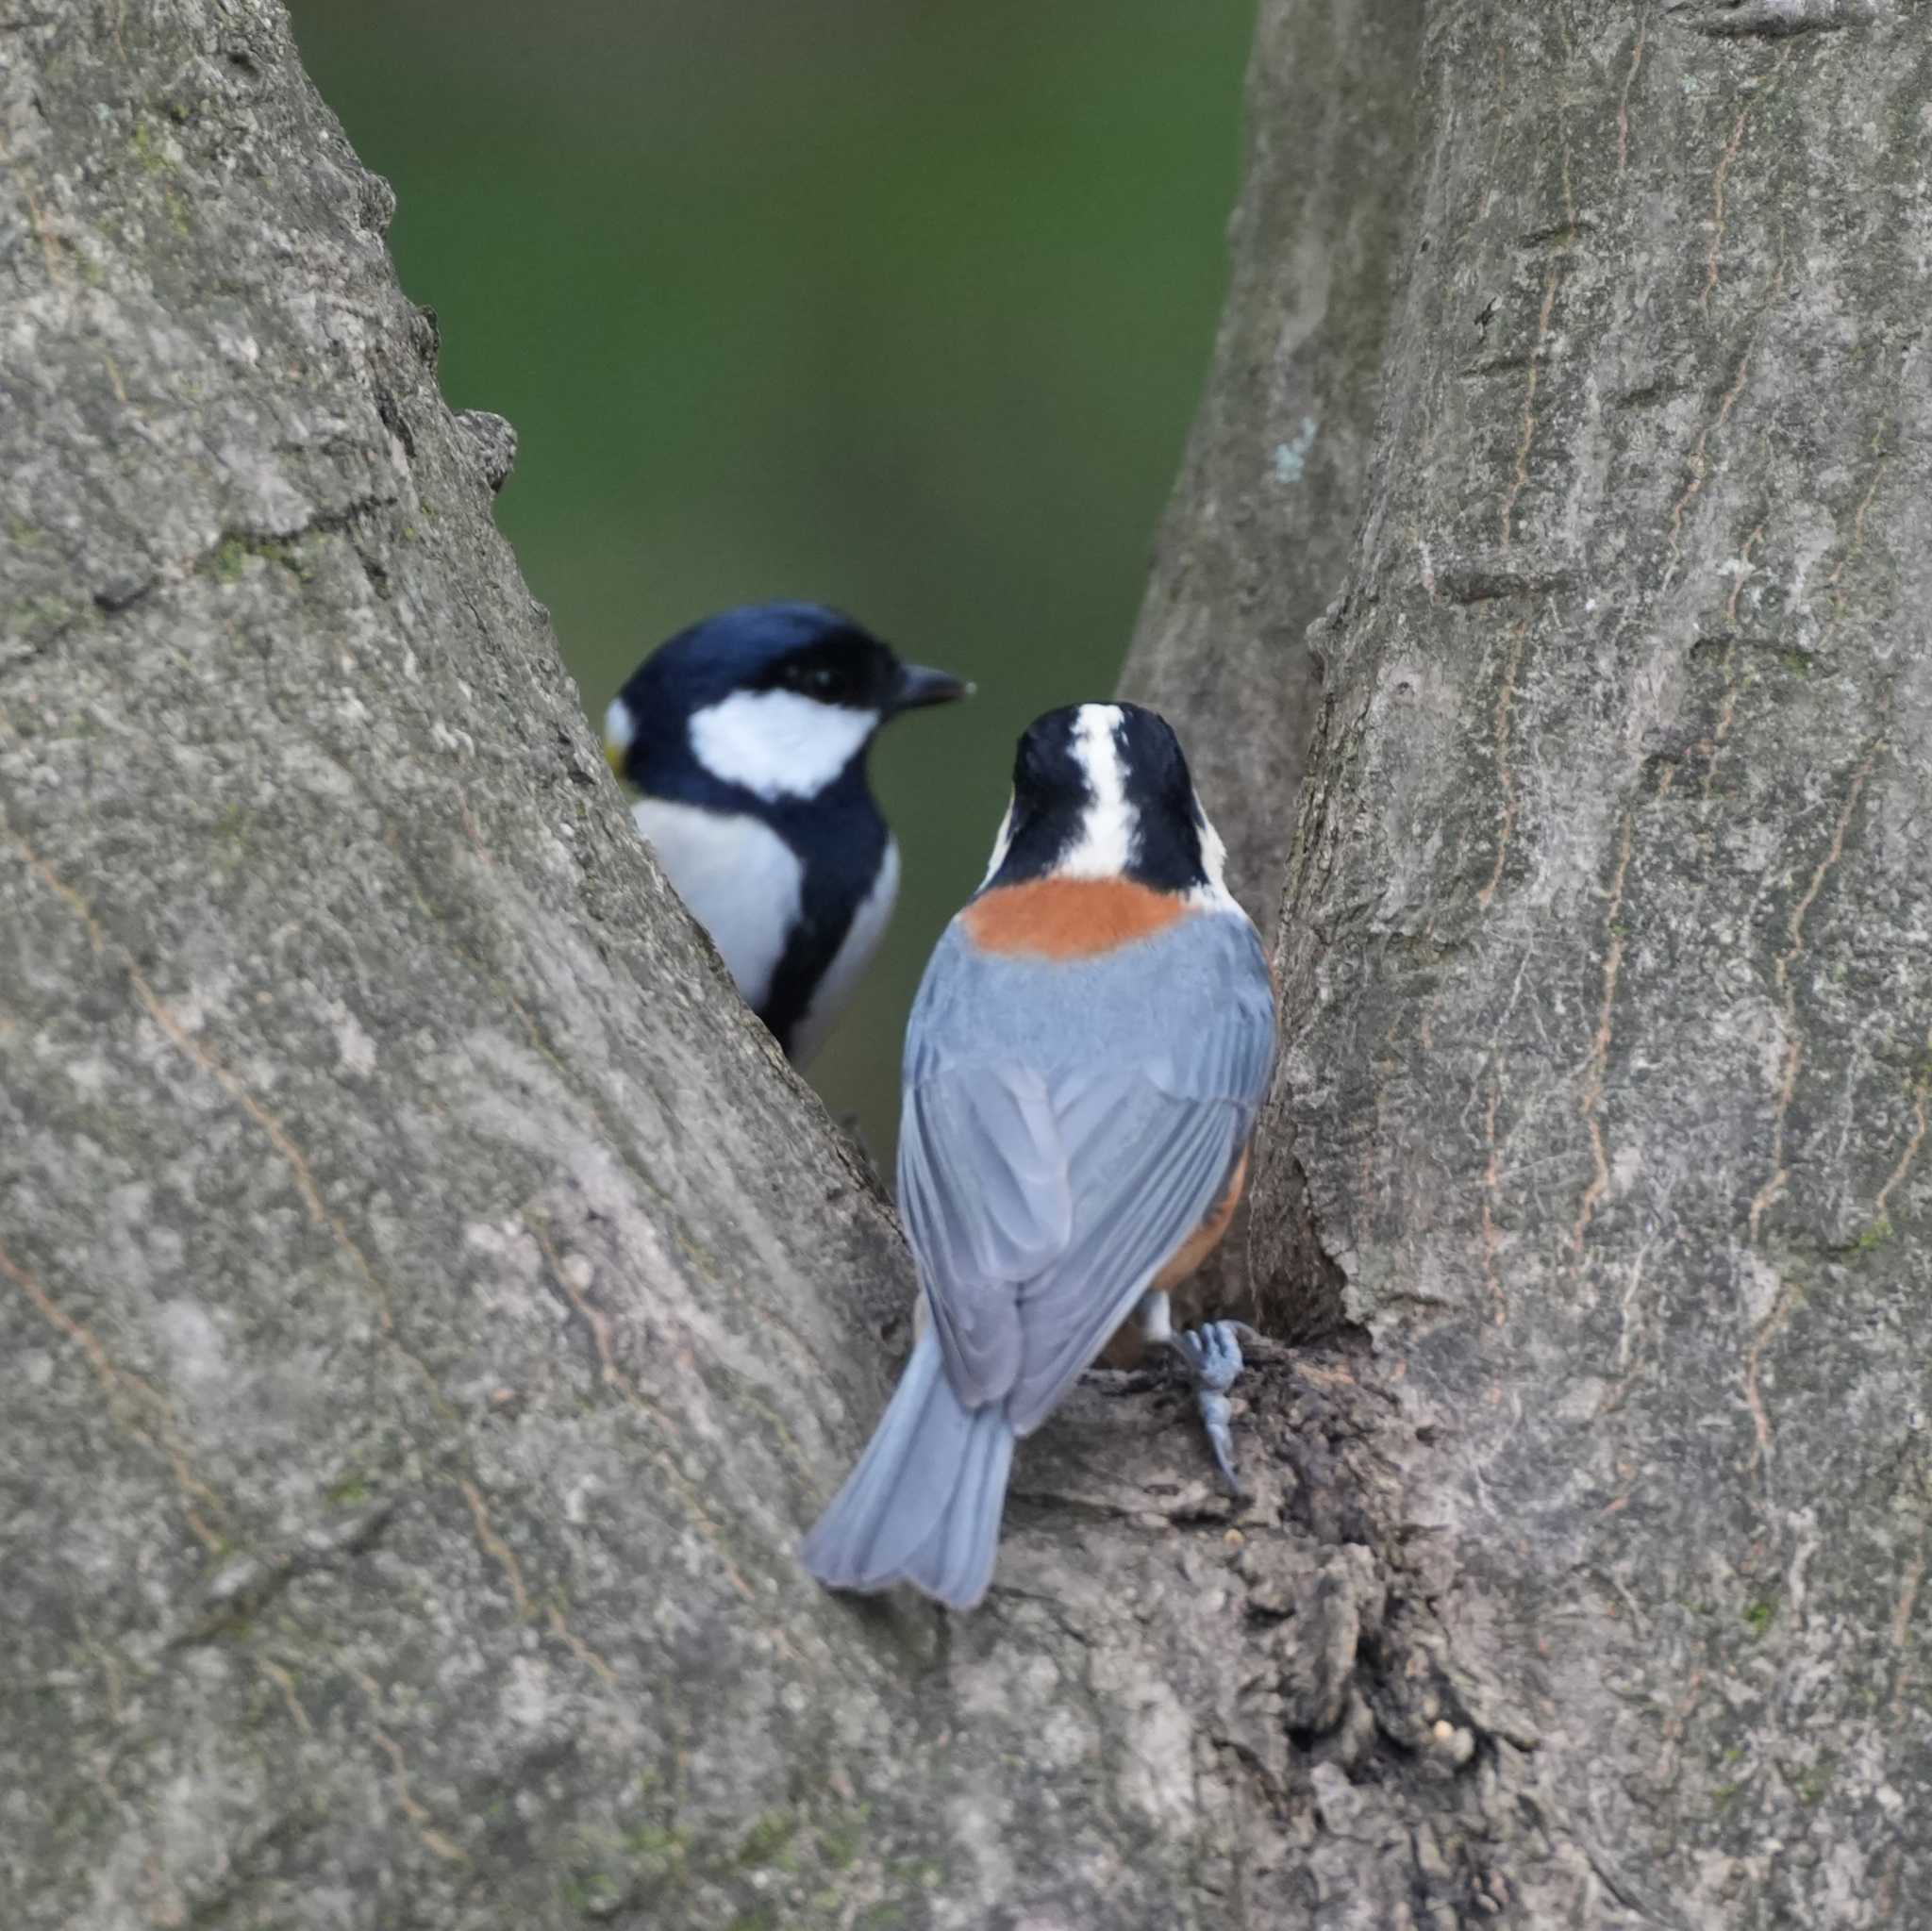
{"points": [[1257, 539], [1606, 1088], [429, 1311]]}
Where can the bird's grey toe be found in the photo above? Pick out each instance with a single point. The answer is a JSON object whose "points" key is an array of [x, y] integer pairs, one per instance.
{"points": [[1211, 1356]]}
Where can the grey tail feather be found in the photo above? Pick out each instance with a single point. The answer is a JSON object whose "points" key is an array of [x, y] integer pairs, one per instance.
{"points": [[923, 1504]]}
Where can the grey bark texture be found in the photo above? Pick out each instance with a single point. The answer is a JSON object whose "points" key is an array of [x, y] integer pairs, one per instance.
{"points": [[429, 1311], [1256, 541], [1605, 1096]]}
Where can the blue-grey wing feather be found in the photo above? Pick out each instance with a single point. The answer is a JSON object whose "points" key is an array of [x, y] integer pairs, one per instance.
{"points": [[982, 1240], [1148, 1185], [1045, 1178]]}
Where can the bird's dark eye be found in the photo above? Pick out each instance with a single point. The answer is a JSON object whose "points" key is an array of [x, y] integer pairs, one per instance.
{"points": [[822, 681]]}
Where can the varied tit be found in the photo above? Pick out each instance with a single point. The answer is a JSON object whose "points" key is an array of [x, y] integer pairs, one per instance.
{"points": [[1083, 1067], [747, 736]]}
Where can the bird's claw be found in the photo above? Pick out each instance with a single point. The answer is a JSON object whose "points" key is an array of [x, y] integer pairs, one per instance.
{"points": [[1211, 1356]]}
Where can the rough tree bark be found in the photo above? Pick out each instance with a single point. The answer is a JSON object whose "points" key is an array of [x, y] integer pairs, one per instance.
{"points": [[428, 1310], [1256, 541], [1607, 1089]]}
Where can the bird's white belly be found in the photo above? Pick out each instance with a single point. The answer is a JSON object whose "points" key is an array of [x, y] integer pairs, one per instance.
{"points": [[740, 879], [849, 962]]}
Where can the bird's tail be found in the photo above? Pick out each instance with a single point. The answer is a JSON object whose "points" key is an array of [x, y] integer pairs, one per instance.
{"points": [[923, 1504]]}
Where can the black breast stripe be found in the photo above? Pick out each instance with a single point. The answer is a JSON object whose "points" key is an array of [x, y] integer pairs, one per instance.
{"points": [[841, 857]]}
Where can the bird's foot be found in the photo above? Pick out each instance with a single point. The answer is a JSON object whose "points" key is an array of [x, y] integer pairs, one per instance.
{"points": [[1211, 1357]]}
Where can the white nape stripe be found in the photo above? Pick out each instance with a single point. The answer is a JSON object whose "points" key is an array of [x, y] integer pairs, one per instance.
{"points": [[849, 962], [1108, 823], [777, 744], [1001, 841], [620, 727], [739, 878]]}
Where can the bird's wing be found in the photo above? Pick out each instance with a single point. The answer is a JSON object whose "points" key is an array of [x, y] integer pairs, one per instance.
{"points": [[986, 1192], [1041, 1205], [1146, 1167]]}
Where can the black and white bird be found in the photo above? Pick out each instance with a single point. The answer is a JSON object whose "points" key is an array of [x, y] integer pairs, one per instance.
{"points": [[746, 736]]}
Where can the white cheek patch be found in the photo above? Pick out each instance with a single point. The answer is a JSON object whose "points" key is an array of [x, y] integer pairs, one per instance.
{"points": [[1108, 826], [1001, 841], [1214, 896], [620, 727], [776, 743]]}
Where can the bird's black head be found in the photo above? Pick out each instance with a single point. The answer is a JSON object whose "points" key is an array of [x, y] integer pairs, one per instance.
{"points": [[777, 700], [1101, 790]]}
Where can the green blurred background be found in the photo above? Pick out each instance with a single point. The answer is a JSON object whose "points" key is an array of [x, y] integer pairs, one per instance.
{"points": [[902, 306]]}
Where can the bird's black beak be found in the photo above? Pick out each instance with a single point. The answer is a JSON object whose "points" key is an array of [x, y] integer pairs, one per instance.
{"points": [[916, 686]]}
